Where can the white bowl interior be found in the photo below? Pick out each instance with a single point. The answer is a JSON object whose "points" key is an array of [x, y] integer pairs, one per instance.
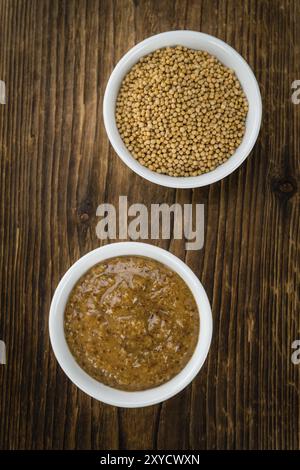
{"points": [[91, 386], [229, 57]]}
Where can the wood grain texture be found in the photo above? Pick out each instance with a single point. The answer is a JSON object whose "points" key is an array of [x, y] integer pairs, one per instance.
{"points": [[57, 166]]}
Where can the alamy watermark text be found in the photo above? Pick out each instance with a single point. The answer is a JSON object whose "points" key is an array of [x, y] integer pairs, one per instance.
{"points": [[161, 221], [2, 352]]}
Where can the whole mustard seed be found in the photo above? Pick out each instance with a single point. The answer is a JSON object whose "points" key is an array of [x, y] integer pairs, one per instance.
{"points": [[181, 112]]}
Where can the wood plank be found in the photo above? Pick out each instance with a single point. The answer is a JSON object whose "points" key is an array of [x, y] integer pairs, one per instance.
{"points": [[56, 167]]}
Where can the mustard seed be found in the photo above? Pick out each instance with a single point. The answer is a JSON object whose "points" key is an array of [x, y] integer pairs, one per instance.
{"points": [[181, 112]]}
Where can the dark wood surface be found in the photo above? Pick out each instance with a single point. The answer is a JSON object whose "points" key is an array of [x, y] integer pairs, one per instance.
{"points": [[57, 166]]}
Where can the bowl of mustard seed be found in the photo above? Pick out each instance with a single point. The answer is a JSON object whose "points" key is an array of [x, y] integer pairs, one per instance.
{"points": [[182, 109]]}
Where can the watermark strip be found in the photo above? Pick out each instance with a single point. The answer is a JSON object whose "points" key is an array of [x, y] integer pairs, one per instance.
{"points": [[2, 92]]}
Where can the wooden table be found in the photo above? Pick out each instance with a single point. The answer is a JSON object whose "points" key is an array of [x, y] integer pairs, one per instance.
{"points": [[57, 166]]}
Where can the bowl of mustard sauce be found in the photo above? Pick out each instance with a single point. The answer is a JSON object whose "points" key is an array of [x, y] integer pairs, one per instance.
{"points": [[130, 324]]}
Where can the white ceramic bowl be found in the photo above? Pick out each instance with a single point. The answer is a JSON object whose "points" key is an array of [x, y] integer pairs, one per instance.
{"points": [[229, 57], [91, 386]]}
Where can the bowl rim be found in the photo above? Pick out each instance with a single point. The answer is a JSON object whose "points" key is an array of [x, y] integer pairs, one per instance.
{"points": [[97, 390], [165, 180]]}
